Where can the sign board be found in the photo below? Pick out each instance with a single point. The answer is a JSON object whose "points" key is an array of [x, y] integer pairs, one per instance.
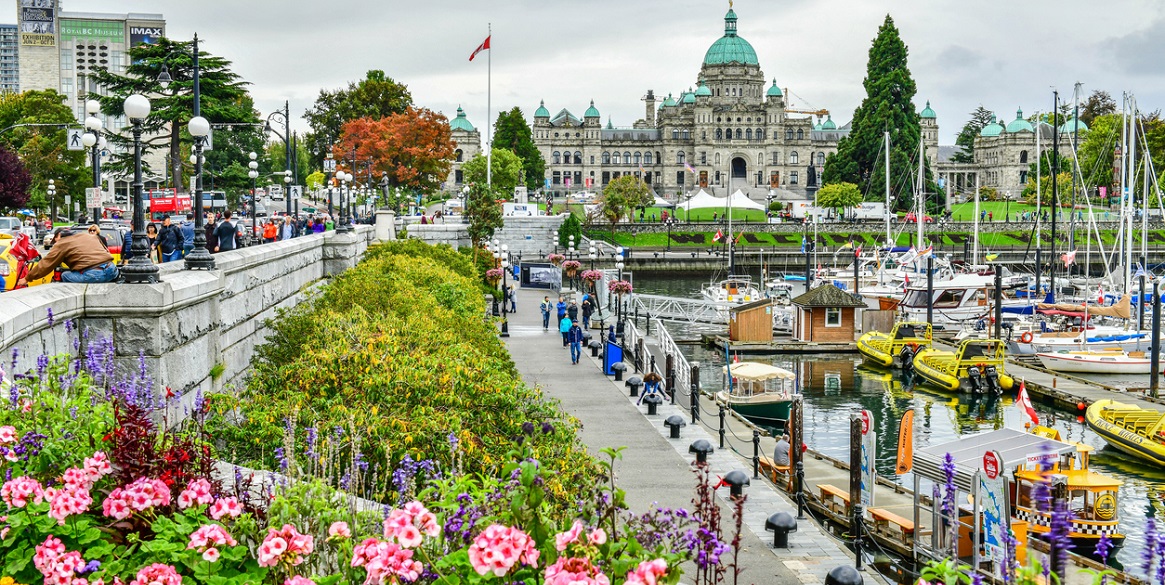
{"points": [[92, 197], [296, 191], [106, 30], [865, 422], [147, 35], [68, 200], [869, 474], [329, 165], [73, 140], [38, 23], [1037, 458], [993, 504], [208, 141]]}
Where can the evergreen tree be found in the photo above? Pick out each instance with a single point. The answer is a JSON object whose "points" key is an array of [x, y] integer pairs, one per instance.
{"points": [[888, 107], [512, 133], [980, 118]]}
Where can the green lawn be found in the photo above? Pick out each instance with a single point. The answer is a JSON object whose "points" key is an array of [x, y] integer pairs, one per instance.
{"points": [[966, 211]]}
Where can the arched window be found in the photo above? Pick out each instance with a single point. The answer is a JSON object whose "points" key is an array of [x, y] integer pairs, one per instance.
{"points": [[557, 157], [566, 158], [638, 158], [719, 134], [675, 133], [577, 157], [760, 134], [748, 134], [606, 158], [821, 159], [760, 158], [659, 157], [680, 157], [647, 158], [800, 134], [793, 158], [615, 158], [687, 135], [738, 134], [728, 133], [788, 133], [626, 158], [459, 154], [1022, 156]]}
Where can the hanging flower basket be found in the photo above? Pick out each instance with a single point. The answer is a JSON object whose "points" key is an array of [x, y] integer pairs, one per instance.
{"points": [[592, 276], [493, 275], [620, 287], [556, 259], [571, 267]]}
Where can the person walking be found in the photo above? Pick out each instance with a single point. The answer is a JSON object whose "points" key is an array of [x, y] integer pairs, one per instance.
{"points": [[269, 232], [211, 238], [564, 329], [545, 308], [572, 311], [561, 306], [588, 309], [187, 228], [225, 233], [288, 230], [170, 241], [513, 299], [152, 240], [575, 337]]}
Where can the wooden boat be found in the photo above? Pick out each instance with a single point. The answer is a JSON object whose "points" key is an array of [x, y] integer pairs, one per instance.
{"points": [[976, 366], [898, 348], [1112, 361], [751, 393], [1137, 431], [1092, 497]]}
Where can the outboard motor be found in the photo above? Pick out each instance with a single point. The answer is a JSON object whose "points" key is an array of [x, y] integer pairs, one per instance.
{"points": [[992, 380], [907, 357], [975, 379]]}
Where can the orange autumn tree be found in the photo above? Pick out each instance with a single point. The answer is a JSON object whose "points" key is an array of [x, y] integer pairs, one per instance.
{"points": [[414, 149]]}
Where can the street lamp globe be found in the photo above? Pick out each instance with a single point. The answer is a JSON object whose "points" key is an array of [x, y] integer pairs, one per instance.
{"points": [[199, 126], [254, 166], [93, 124], [52, 183], [505, 248], [252, 156], [619, 265], [101, 143], [88, 139], [287, 179], [193, 159], [253, 174], [137, 107], [92, 107]]}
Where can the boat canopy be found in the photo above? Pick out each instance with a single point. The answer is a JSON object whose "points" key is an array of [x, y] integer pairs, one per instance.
{"points": [[1119, 310], [1016, 447], [758, 372]]}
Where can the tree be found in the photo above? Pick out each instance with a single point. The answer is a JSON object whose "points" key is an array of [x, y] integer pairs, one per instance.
{"points": [[42, 150], [887, 107], [570, 227], [1064, 188], [482, 212], [839, 195], [512, 133], [314, 181], [222, 94], [506, 167], [14, 180], [413, 148], [623, 195], [377, 96], [1100, 103], [980, 118]]}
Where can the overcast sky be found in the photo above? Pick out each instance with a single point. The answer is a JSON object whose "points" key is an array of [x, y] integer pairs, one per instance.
{"points": [[1001, 54]]}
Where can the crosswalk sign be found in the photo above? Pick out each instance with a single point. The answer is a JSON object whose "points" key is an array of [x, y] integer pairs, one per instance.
{"points": [[74, 139]]}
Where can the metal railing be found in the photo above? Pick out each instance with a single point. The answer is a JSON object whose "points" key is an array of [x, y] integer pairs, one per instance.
{"points": [[677, 309], [668, 346]]}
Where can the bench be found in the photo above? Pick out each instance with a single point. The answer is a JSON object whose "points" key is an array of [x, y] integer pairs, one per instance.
{"points": [[892, 524], [834, 498], [778, 473]]}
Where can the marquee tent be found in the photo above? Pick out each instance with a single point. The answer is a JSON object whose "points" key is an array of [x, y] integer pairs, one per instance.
{"points": [[741, 201], [702, 200]]}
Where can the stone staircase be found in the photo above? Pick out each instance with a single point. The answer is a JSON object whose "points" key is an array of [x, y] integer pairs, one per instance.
{"points": [[531, 237]]}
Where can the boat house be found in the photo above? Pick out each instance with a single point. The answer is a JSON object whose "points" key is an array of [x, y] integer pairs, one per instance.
{"points": [[751, 322], [826, 314]]}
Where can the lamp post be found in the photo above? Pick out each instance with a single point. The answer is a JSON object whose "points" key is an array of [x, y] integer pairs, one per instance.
{"points": [[92, 140], [286, 138], [329, 169], [555, 241], [52, 193], [139, 269], [345, 198], [505, 265], [253, 173], [592, 252]]}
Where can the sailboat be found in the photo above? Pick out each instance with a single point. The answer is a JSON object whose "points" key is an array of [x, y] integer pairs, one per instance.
{"points": [[736, 289]]}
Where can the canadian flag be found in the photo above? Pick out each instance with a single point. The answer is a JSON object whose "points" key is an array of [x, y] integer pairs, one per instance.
{"points": [[482, 47], [719, 236], [1025, 402]]}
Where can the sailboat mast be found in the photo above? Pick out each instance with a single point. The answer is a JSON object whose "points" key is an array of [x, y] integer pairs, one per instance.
{"points": [[1039, 199], [920, 215], [889, 236], [1075, 167], [1055, 188], [1128, 193], [975, 236]]}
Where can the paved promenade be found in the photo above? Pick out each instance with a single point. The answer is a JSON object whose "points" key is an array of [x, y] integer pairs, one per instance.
{"points": [[654, 468]]}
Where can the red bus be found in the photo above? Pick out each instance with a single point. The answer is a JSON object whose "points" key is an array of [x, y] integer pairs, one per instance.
{"points": [[161, 202]]}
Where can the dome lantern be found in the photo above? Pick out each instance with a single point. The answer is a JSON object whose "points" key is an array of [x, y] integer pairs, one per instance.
{"points": [[542, 112]]}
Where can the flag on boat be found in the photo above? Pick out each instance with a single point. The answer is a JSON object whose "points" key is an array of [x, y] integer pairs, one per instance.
{"points": [[691, 169], [738, 236], [1069, 258], [803, 243], [1140, 271], [909, 257], [1025, 402], [719, 236], [858, 252], [991, 257], [482, 47], [927, 251], [847, 246]]}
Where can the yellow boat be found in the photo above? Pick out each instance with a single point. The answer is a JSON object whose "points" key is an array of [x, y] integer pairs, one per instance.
{"points": [[898, 348], [1092, 497], [976, 366], [1137, 431]]}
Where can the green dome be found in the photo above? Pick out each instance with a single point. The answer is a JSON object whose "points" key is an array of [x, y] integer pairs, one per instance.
{"points": [[1019, 124], [688, 97], [774, 91], [730, 48], [991, 130], [610, 126], [461, 122], [542, 112], [703, 90], [591, 112], [1071, 126], [927, 112], [829, 123], [817, 127], [670, 101]]}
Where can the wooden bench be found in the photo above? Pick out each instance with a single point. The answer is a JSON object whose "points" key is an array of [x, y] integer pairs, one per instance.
{"points": [[778, 473], [834, 498], [892, 524]]}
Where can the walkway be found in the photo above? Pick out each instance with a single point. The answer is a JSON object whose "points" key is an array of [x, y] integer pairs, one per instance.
{"points": [[655, 469]]}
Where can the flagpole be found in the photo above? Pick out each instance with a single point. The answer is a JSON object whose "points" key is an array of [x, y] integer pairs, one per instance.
{"points": [[489, 141]]}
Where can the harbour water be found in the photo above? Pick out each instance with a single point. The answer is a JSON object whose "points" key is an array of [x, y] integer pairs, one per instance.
{"points": [[838, 385]]}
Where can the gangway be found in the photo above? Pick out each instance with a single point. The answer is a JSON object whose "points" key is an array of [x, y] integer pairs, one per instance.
{"points": [[679, 309]]}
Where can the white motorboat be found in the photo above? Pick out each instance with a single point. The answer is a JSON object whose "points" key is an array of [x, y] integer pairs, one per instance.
{"points": [[1098, 362], [964, 298], [734, 289]]}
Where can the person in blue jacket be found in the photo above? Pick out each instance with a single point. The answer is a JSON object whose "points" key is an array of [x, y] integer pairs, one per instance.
{"points": [[575, 337], [564, 328]]}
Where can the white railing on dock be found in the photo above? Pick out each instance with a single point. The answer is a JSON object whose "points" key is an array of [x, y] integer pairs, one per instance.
{"points": [[683, 370], [677, 309]]}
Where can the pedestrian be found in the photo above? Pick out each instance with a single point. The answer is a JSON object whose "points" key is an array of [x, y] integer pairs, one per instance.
{"points": [[545, 308], [561, 306], [225, 233], [652, 384], [288, 230], [170, 241], [575, 337], [781, 452], [269, 232], [87, 259], [513, 299], [152, 240], [990, 216], [588, 309], [564, 329], [572, 311], [187, 228], [611, 334], [211, 238], [320, 226]]}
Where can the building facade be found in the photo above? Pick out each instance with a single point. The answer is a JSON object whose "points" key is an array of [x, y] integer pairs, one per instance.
{"points": [[730, 131], [9, 58], [466, 145]]}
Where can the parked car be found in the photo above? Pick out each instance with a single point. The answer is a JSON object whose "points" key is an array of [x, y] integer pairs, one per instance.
{"points": [[912, 217]]}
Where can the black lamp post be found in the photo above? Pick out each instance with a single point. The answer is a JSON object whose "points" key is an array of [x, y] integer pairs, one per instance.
{"points": [[52, 193], [253, 173], [285, 117], [95, 142], [140, 269], [329, 169]]}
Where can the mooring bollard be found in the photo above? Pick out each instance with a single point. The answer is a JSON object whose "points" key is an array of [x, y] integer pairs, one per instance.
{"points": [[736, 480], [634, 383], [653, 401], [701, 448], [800, 483], [781, 524], [673, 424], [619, 368], [721, 414], [756, 453]]}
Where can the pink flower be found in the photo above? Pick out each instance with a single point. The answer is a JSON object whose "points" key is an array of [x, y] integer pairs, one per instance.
{"points": [[140, 495], [562, 539], [385, 559], [407, 524], [223, 507], [597, 537], [97, 466], [69, 501], [207, 537], [297, 580], [157, 574], [339, 530], [19, 491], [498, 548], [57, 566], [197, 493], [647, 573], [7, 434], [210, 555], [285, 545], [574, 571]]}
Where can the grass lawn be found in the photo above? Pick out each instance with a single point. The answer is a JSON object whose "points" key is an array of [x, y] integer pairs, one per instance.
{"points": [[966, 211]]}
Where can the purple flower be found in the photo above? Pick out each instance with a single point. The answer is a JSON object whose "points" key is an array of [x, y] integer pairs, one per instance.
{"points": [[50, 310], [528, 428], [1103, 548], [1150, 552], [547, 428], [452, 441]]}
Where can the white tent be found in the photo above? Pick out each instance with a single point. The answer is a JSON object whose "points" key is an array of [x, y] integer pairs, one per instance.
{"points": [[661, 202], [741, 201], [703, 200]]}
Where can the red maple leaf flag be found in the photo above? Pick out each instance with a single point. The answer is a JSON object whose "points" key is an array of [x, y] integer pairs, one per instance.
{"points": [[719, 236], [1025, 402], [482, 47]]}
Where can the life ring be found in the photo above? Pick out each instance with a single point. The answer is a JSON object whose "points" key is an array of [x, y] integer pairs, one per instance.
{"points": [[1026, 337]]}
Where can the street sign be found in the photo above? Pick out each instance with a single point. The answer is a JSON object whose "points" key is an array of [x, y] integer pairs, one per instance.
{"points": [[92, 197], [865, 422], [296, 191], [208, 141], [68, 200], [329, 165], [74, 139], [992, 498]]}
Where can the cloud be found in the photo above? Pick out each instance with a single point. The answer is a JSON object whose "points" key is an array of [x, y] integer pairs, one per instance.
{"points": [[1139, 53]]}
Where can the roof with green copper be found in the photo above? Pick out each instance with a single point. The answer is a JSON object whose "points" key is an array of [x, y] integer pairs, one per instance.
{"points": [[1019, 124], [610, 126], [991, 130], [670, 101], [592, 112], [689, 97], [461, 122], [730, 48], [703, 90], [829, 124], [927, 112], [1070, 126], [817, 126], [774, 91], [542, 112]]}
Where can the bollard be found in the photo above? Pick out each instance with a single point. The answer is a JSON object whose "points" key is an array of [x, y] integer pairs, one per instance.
{"points": [[756, 453], [701, 448], [669, 364], [595, 347], [619, 368], [722, 413], [781, 524], [857, 522], [736, 480], [843, 575], [695, 392], [800, 483], [505, 328], [634, 383], [673, 423], [653, 401]]}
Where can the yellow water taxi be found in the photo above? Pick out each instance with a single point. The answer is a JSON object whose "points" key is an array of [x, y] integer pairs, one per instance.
{"points": [[898, 348], [1135, 430], [976, 366]]}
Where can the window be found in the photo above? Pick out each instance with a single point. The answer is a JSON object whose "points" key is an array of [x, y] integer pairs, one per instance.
{"points": [[615, 159], [775, 158], [578, 158], [460, 156], [687, 135], [626, 158], [738, 134], [675, 133], [606, 158], [821, 159], [679, 177], [703, 158], [647, 158], [760, 134], [1023, 177], [794, 158], [949, 299], [788, 133], [659, 157], [719, 134], [66, 61], [606, 177], [566, 158], [748, 134], [592, 161], [793, 178], [638, 158], [458, 177], [556, 157], [800, 134], [680, 157], [1023, 156], [728, 133], [557, 178], [833, 317]]}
